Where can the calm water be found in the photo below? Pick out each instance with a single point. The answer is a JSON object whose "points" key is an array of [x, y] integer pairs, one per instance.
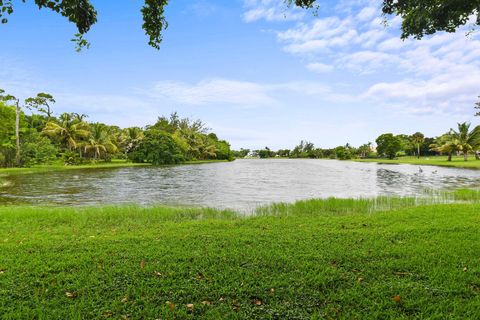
{"points": [[241, 185]]}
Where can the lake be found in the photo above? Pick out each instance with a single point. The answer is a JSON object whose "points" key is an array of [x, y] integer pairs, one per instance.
{"points": [[241, 185]]}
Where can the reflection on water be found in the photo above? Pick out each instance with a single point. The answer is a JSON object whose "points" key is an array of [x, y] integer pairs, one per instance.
{"points": [[241, 185]]}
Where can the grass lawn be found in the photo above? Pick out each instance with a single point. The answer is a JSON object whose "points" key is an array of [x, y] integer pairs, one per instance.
{"points": [[432, 161], [316, 259]]}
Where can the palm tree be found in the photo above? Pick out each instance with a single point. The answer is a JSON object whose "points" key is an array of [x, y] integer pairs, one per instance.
{"points": [[467, 140], [100, 141], [132, 137], [69, 130], [418, 138], [446, 144]]}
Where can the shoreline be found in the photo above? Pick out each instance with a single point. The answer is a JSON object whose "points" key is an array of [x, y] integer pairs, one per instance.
{"points": [[457, 162], [102, 165]]}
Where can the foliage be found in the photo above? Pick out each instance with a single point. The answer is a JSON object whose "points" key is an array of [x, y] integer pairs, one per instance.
{"points": [[467, 140], [463, 141], [41, 103], [425, 17], [388, 145], [343, 153], [242, 153], [417, 139], [304, 150], [45, 138], [37, 149], [265, 153], [477, 107], [365, 150], [158, 147], [284, 153], [69, 129]]}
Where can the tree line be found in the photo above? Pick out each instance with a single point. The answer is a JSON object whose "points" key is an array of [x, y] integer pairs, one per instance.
{"points": [[463, 140], [40, 137]]}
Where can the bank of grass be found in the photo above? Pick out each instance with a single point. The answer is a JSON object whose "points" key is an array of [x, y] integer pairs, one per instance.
{"points": [[317, 259], [97, 165], [457, 162]]}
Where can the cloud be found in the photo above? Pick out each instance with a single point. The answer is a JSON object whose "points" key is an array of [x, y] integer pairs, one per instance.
{"points": [[367, 13], [213, 91], [231, 92], [443, 95], [270, 10], [320, 67], [439, 74]]}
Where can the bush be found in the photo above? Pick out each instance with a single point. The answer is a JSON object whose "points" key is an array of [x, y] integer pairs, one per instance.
{"points": [[71, 158], [37, 149], [158, 147]]}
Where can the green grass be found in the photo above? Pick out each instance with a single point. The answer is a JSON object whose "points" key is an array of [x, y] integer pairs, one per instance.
{"points": [[457, 162], [317, 259]]}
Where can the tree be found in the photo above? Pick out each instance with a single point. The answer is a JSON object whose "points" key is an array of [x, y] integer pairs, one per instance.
{"points": [[9, 98], [68, 129], [343, 153], [418, 138], [425, 17], [99, 142], [467, 140], [41, 103], [446, 144], [133, 136], [477, 106], [388, 145], [304, 150], [265, 153], [7, 135], [157, 147], [364, 150], [284, 153]]}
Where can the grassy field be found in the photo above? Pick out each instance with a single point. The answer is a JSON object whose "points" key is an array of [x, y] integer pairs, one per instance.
{"points": [[457, 162], [320, 259]]}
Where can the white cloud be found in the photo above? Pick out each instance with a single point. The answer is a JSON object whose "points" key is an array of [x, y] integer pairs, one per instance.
{"points": [[270, 10], [213, 91], [440, 73], [442, 94], [232, 92], [367, 13], [319, 67]]}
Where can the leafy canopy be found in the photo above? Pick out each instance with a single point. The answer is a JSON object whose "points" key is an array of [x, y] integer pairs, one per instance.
{"points": [[425, 17], [388, 145], [419, 17]]}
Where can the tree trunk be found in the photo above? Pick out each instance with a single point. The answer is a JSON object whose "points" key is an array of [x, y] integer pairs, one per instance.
{"points": [[17, 132], [465, 156], [449, 157], [418, 151]]}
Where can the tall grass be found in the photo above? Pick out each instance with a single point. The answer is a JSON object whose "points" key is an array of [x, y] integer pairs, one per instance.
{"points": [[378, 204]]}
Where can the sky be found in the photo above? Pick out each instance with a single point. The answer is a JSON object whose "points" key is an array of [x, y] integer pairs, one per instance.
{"points": [[256, 72]]}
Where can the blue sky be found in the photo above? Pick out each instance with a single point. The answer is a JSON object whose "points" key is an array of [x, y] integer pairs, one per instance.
{"points": [[259, 74]]}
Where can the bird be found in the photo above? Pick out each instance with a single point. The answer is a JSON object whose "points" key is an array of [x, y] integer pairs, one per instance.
{"points": [[420, 169]]}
